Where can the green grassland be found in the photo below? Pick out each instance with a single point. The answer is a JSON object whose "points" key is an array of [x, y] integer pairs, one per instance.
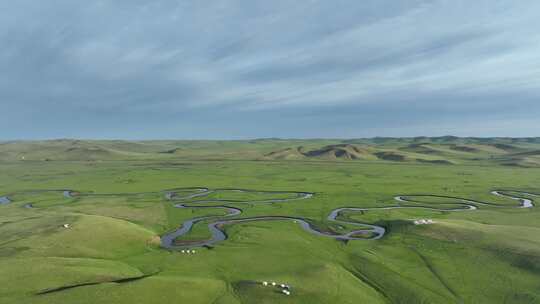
{"points": [[111, 253], [446, 150]]}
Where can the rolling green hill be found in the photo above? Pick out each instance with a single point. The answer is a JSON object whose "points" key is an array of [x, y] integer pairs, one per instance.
{"points": [[447, 150]]}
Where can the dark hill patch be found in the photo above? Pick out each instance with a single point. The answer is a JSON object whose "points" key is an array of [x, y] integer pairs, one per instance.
{"points": [[528, 153], [339, 151], [505, 147], [171, 151], [390, 156], [463, 148], [434, 161]]}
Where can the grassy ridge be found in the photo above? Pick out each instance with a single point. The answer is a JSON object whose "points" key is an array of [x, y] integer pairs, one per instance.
{"points": [[524, 152]]}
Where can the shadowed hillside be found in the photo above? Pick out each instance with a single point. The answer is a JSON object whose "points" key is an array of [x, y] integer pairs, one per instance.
{"points": [[446, 150]]}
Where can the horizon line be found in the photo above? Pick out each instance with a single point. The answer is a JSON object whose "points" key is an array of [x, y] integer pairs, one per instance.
{"points": [[269, 138]]}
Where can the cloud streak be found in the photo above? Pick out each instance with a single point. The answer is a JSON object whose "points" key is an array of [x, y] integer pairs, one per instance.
{"points": [[139, 60]]}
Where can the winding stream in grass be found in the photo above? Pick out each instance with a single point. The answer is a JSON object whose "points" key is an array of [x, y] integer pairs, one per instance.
{"points": [[4, 200], [216, 223], [373, 232]]}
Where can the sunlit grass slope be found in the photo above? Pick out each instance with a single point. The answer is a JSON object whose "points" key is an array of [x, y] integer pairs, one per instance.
{"points": [[110, 253]]}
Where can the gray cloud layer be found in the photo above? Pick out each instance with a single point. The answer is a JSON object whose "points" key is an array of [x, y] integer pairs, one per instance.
{"points": [[230, 69]]}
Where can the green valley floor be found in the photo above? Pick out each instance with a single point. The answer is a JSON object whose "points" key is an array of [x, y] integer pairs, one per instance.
{"points": [[91, 232]]}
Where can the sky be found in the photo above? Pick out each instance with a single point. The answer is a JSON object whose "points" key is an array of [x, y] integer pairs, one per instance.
{"points": [[238, 69]]}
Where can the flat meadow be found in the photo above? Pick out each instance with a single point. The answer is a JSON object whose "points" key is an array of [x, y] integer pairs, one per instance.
{"points": [[111, 251]]}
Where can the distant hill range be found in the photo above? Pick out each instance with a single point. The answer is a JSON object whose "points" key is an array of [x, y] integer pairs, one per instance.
{"points": [[444, 150]]}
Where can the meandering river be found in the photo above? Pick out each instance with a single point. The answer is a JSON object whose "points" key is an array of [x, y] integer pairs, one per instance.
{"points": [[198, 198]]}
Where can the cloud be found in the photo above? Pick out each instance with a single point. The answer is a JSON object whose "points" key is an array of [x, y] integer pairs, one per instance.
{"points": [[133, 59]]}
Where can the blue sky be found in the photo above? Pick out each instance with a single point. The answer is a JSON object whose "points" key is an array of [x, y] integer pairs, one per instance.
{"points": [[230, 69]]}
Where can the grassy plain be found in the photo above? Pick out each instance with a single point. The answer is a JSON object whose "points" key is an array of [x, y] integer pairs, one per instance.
{"points": [[111, 253]]}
